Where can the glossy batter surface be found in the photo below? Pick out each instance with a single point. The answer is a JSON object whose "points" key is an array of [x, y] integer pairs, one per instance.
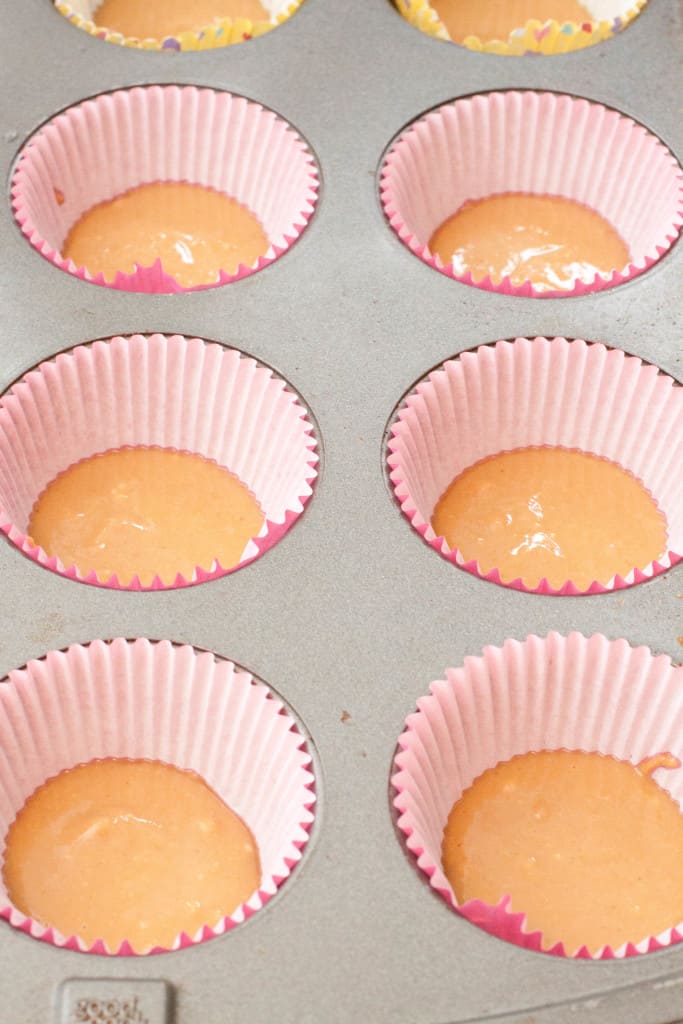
{"points": [[548, 240], [195, 231], [134, 850], [496, 19], [145, 512], [589, 847], [551, 512], [157, 19]]}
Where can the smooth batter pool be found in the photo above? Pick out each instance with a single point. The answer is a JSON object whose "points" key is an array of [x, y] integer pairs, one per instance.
{"points": [[552, 513], [135, 850], [496, 19], [589, 847], [548, 240], [196, 232], [145, 512], [158, 19]]}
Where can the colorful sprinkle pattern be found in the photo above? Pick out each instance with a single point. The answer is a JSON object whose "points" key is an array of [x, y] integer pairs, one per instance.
{"points": [[224, 33], [535, 37]]}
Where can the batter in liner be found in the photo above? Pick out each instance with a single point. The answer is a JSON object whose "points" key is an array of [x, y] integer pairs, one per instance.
{"points": [[159, 19], [135, 850], [145, 512], [549, 512], [548, 240], [496, 19], [589, 847], [195, 231]]}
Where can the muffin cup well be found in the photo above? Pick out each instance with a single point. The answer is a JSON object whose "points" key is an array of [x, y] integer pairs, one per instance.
{"points": [[140, 699], [538, 143], [224, 32], [167, 392], [543, 37], [575, 693], [532, 392], [108, 145]]}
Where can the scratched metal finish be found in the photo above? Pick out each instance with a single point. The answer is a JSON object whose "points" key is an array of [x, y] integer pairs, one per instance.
{"points": [[351, 612]]}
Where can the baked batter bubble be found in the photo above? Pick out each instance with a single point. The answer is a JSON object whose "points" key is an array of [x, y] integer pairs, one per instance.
{"points": [[534, 194], [540, 786], [520, 27], [211, 821], [197, 460], [173, 25], [545, 465], [164, 188]]}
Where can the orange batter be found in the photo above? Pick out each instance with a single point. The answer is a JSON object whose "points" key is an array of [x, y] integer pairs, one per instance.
{"points": [[145, 512], [159, 19], [195, 231], [556, 513], [589, 847], [496, 19], [133, 850], [548, 240]]}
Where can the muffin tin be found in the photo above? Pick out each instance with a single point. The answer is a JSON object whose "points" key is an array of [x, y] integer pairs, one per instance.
{"points": [[352, 615]]}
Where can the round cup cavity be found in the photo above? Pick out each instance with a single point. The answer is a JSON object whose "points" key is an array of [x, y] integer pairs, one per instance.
{"points": [[163, 391], [108, 145], [542, 693], [607, 18], [223, 32], [534, 392], [140, 699], [540, 143]]}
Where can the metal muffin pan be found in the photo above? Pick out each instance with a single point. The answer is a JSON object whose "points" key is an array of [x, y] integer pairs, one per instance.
{"points": [[351, 616]]}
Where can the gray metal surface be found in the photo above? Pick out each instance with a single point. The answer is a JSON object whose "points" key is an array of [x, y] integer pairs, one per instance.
{"points": [[351, 612]]}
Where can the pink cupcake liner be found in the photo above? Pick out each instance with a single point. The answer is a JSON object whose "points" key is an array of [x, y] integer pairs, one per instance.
{"points": [[542, 143], [168, 392], [108, 145], [532, 392], [551, 693], [140, 699]]}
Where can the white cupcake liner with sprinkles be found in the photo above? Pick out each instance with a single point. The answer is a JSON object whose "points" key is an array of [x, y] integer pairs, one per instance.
{"points": [[106, 146], [540, 143], [532, 392], [222, 32], [155, 391], [574, 693], [139, 699], [549, 37]]}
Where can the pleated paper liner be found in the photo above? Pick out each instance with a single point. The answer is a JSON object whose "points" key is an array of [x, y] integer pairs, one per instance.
{"points": [[106, 146], [140, 699], [574, 693], [222, 32], [540, 143], [608, 17], [530, 393], [167, 392]]}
